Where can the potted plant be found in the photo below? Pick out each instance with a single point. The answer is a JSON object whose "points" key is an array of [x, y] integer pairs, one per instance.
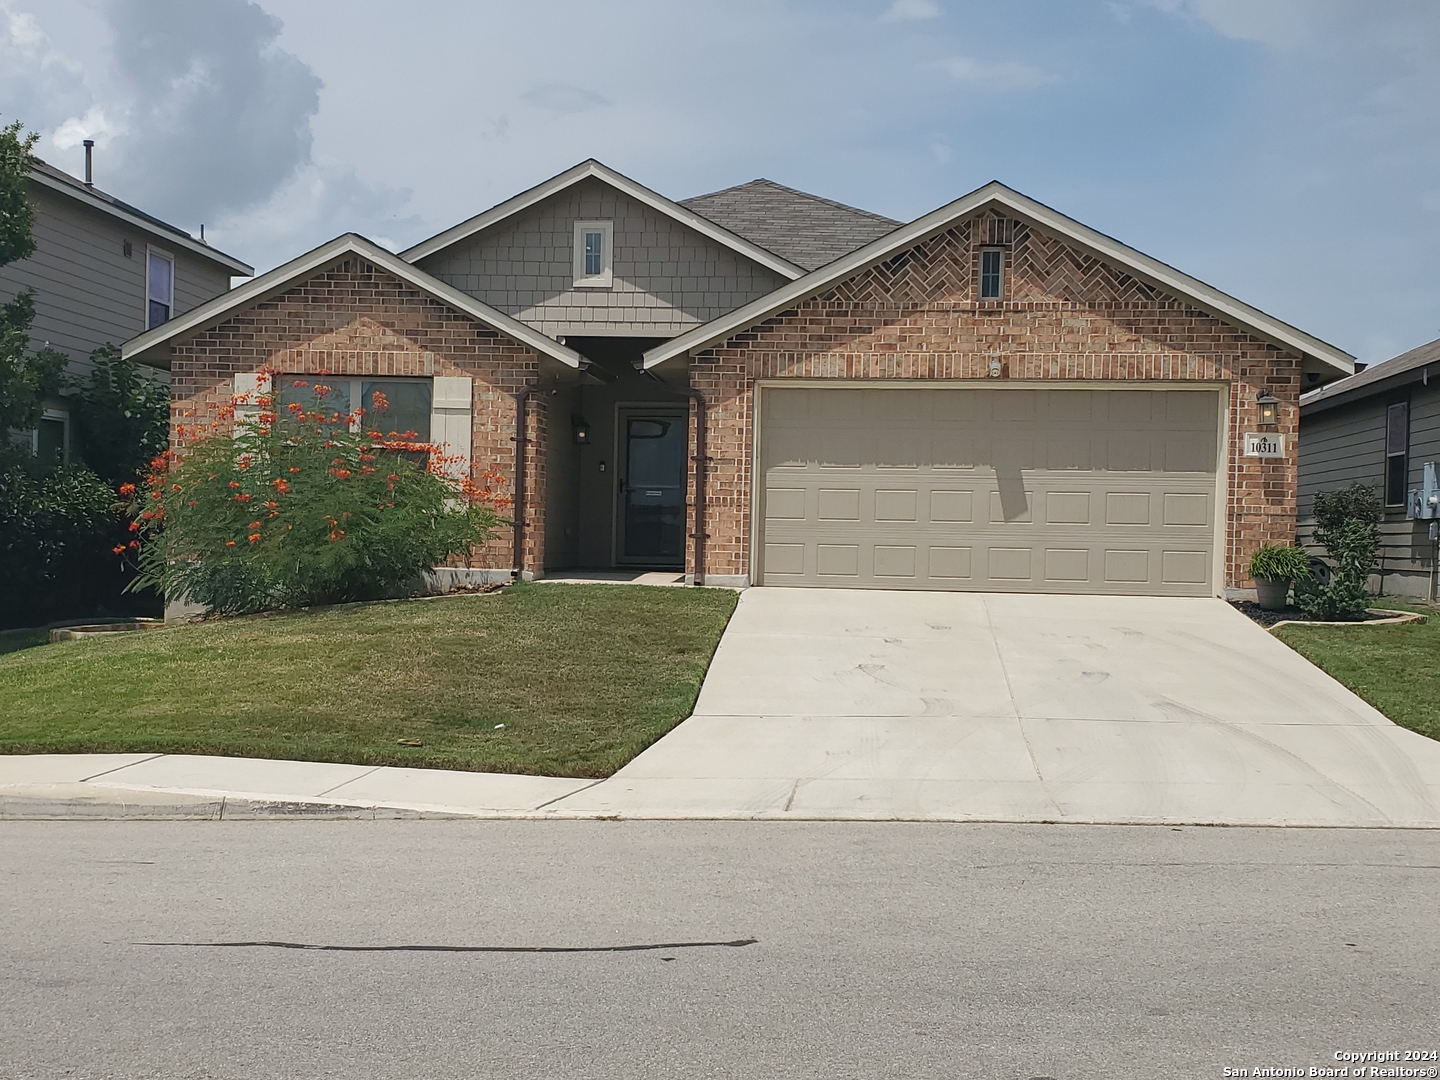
{"points": [[1274, 567]]}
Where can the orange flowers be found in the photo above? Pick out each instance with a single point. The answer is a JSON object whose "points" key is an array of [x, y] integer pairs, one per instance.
{"points": [[242, 497], [340, 474], [118, 549], [293, 469], [229, 543], [295, 407], [254, 538], [234, 484], [127, 489]]}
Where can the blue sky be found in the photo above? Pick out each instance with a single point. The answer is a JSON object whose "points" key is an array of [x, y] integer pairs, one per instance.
{"points": [[1286, 151]]}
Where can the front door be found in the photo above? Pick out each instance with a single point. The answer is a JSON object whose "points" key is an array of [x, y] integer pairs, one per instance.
{"points": [[652, 488]]}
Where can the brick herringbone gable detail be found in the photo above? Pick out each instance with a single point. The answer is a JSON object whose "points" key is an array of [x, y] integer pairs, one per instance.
{"points": [[1065, 315], [354, 318]]}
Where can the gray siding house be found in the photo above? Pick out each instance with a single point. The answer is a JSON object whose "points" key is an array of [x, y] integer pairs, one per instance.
{"points": [[1378, 427], [102, 272]]}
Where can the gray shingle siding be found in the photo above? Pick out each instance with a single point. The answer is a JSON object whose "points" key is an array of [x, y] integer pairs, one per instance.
{"points": [[1346, 444], [805, 229], [87, 293], [667, 277]]}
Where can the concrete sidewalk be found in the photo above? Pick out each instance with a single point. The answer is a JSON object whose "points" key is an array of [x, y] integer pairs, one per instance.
{"points": [[191, 786]]}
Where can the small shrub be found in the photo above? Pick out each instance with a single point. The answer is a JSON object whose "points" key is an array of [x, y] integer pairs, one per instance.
{"points": [[1280, 562], [297, 509], [1347, 526]]}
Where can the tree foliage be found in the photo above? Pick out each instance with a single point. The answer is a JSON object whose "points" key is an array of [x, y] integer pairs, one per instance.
{"points": [[1347, 525]]}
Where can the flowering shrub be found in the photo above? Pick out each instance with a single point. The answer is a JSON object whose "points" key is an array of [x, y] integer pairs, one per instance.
{"points": [[299, 508]]}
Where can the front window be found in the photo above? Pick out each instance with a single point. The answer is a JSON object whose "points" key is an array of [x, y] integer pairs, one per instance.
{"points": [[992, 262], [1397, 453], [159, 288], [397, 408]]}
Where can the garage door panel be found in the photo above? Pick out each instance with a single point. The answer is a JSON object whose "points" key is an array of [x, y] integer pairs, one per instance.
{"points": [[875, 502]]}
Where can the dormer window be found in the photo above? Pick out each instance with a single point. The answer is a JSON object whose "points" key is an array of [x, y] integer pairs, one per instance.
{"points": [[593, 254]]}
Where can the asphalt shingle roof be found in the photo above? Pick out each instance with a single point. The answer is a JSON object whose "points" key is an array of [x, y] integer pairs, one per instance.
{"points": [[805, 229], [1369, 381]]}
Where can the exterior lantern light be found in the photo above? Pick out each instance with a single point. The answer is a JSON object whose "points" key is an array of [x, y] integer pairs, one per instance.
{"points": [[581, 428], [1269, 408]]}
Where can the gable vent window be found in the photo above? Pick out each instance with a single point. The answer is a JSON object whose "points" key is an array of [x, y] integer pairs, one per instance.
{"points": [[159, 288], [1397, 449], [992, 274], [594, 243]]}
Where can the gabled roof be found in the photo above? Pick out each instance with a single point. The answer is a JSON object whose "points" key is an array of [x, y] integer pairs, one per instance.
{"points": [[639, 192], [283, 277], [995, 193], [1408, 367], [803, 228], [49, 176]]}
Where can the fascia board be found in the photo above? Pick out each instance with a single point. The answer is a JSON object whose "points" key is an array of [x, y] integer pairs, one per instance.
{"points": [[638, 192], [1140, 264], [177, 238], [282, 277]]}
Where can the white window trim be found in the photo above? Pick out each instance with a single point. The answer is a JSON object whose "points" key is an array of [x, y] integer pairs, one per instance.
{"points": [[151, 249], [606, 277]]}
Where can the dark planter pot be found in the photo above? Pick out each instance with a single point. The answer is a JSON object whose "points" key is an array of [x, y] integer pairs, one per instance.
{"points": [[1271, 593]]}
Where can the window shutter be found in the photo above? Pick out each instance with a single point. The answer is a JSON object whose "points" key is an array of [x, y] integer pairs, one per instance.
{"points": [[450, 422], [248, 387]]}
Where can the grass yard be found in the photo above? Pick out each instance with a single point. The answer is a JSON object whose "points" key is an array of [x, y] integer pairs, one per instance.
{"points": [[15, 640], [582, 678], [1394, 668]]}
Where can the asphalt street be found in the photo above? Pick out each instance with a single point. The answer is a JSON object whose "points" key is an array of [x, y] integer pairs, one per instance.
{"points": [[580, 949]]}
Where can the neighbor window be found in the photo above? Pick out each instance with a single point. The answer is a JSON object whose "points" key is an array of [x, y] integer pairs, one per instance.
{"points": [[51, 438], [159, 288], [393, 407], [1397, 451], [593, 255], [992, 262]]}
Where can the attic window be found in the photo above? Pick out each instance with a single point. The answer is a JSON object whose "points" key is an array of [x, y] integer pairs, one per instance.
{"points": [[992, 273], [594, 241]]}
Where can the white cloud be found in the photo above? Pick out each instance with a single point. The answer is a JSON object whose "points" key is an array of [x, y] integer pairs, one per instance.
{"points": [[911, 10], [558, 97], [73, 131], [997, 75]]}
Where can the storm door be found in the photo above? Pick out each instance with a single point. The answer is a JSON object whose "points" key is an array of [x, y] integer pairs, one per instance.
{"points": [[652, 488]]}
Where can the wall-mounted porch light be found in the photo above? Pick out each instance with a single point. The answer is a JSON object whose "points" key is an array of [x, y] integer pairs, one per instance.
{"points": [[581, 428], [1269, 406]]}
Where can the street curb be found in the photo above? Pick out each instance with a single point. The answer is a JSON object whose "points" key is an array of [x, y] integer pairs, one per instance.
{"points": [[86, 802]]}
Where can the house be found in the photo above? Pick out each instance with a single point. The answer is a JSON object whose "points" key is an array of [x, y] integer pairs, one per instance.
{"points": [[1380, 426], [102, 272], [761, 386]]}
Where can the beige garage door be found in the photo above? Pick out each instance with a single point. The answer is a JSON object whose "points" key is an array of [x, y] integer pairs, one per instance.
{"points": [[1093, 491]]}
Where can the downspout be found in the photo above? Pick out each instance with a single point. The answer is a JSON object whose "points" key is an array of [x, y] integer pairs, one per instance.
{"points": [[521, 399]]}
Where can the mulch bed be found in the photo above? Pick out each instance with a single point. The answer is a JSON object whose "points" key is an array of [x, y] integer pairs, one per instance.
{"points": [[1270, 618]]}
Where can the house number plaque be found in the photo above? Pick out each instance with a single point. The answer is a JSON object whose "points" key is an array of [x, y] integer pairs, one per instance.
{"points": [[1263, 444]]}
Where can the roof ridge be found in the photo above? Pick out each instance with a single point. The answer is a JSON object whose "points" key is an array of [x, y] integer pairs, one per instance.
{"points": [[795, 191]]}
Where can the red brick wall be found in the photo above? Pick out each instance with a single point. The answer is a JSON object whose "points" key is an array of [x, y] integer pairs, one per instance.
{"points": [[1065, 315], [354, 319]]}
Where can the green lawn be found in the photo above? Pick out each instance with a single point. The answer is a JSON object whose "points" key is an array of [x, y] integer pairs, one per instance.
{"points": [[583, 677], [1394, 668]]}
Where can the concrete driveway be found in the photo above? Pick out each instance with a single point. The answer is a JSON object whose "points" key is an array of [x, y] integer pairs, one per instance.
{"points": [[964, 706]]}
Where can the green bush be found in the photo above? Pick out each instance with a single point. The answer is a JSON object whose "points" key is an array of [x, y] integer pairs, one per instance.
{"points": [[1280, 562], [1347, 526], [296, 510]]}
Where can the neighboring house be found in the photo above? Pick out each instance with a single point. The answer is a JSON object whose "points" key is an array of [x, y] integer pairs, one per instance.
{"points": [[103, 271], [763, 387], [1379, 427]]}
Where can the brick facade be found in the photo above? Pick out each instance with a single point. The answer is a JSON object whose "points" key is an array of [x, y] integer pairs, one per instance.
{"points": [[354, 319], [1065, 315]]}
